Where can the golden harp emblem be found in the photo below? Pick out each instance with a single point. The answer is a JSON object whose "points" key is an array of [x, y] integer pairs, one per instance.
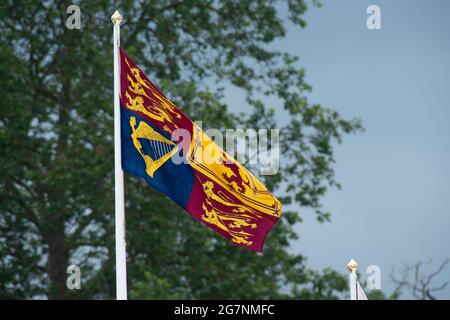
{"points": [[163, 149]]}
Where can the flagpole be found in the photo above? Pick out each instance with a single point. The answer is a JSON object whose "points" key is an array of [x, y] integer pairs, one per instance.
{"points": [[121, 264], [352, 267]]}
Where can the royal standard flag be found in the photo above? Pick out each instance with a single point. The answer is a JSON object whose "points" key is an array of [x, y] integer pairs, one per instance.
{"points": [[194, 172]]}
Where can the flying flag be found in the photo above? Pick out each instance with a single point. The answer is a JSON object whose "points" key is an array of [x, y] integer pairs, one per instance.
{"points": [[194, 172]]}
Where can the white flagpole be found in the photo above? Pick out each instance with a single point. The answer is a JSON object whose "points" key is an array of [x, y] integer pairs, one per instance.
{"points": [[121, 263], [352, 267]]}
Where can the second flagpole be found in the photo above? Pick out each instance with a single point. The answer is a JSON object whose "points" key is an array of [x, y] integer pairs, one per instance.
{"points": [[352, 267], [121, 264]]}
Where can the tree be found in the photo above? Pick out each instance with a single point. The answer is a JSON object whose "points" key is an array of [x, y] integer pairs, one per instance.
{"points": [[56, 177], [380, 295], [418, 282]]}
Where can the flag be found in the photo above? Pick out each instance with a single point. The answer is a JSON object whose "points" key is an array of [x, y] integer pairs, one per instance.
{"points": [[360, 294], [194, 172]]}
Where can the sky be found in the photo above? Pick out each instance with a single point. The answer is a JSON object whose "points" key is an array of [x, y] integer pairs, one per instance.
{"points": [[394, 205]]}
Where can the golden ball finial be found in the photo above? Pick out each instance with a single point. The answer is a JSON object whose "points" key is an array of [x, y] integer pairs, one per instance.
{"points": [[116, 18], [352, 266]]}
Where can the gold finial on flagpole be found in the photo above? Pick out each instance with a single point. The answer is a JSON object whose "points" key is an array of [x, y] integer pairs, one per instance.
{"points": [[352, 266], [116, 18]]}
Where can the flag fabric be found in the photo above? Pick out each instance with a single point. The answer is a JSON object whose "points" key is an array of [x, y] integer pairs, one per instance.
{"points": [[194, 172], [360, 294]]}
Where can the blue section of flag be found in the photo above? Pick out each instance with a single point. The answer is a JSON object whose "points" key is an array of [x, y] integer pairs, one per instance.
{"points": [[173, 180]]}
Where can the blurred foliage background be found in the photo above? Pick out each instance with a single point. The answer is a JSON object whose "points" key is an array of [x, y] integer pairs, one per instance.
{"points": [[56, 147]]}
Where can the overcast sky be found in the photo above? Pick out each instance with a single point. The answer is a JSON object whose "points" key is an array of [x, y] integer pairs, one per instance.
{"points": [[394, 205]]}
